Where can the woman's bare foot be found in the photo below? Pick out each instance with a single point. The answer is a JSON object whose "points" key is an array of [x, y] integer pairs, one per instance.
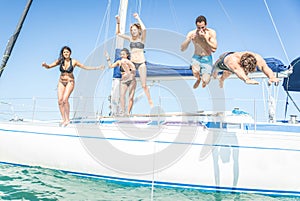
{"points": [[151, 103], [66, 123]]}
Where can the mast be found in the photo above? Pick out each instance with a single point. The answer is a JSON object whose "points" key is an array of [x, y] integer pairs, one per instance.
{"points": [[13, 38], [122, 13], [115, 91]]}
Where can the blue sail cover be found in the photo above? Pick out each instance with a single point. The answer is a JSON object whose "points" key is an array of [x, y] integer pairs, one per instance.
{"points": [[156, 70], [164, 70], [292, 83], [159, 70], [276, 65]]}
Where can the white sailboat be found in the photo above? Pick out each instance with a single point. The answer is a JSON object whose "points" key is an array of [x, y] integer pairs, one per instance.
{"points": [[227, 151]]}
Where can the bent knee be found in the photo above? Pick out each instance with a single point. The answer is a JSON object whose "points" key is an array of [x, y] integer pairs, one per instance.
{"points": [[62, 101], [144, 86], [196, 68], [130, 100], [206, 77]]}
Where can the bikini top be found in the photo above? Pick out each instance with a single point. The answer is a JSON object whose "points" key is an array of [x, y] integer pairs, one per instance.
{"points": [[122, 69], [138, 45], [68, 70]]}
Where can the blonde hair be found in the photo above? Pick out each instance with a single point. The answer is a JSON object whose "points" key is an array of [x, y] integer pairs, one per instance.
{"points": [[138, 26]]}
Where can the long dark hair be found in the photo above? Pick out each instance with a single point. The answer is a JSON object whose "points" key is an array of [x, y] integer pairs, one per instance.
{"points": [[61, 58], [127, 52]]}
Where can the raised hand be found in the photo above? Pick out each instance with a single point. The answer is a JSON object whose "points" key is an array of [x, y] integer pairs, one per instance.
{"points": [[106, 55], [118, 19], [136, 16]]}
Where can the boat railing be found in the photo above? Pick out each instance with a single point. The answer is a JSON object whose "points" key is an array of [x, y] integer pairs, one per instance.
{"points": [[46, 109]]}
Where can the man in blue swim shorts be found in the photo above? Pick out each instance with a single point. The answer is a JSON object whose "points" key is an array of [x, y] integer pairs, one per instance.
{"points": [[205, 43]]}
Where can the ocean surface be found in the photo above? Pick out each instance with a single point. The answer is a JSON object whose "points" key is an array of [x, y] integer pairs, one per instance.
{"points": [[35, 183]]}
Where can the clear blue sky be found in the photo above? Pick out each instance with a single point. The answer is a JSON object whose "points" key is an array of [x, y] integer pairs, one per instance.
{"points": [[51, 24]]}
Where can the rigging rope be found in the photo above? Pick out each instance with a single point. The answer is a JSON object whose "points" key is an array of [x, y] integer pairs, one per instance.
{"points": [[173, 11], [272, 99], [285, 53], [139, 6], [277, 32], [296, 106], [104, 29], [232, 24], [106, 16]]}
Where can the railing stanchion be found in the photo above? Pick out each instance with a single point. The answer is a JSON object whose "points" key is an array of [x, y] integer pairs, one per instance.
{"points": [[33, 107]]}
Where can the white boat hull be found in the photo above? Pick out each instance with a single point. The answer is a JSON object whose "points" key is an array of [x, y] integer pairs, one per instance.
{"points": [[231, 159]]}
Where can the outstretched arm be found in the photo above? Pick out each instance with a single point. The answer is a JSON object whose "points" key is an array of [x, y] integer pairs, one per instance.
{"points": [[55, 63], [262, 65], [240, 73], [118, 30], [143, 27], [110, 64], [77, 63]]}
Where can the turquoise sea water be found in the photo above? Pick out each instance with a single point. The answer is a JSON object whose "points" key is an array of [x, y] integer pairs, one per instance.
{"points": [[35, 183]]}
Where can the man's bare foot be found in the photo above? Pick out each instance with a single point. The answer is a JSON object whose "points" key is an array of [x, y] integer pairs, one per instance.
{"points": [[205, 79], [197, 83]]}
